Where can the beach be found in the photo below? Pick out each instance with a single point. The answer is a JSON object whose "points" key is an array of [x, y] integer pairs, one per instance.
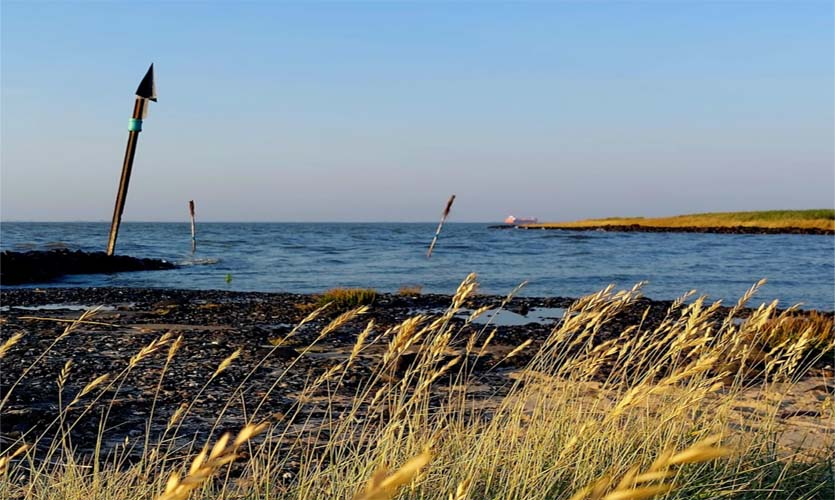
{"points": [[275, 363], [268, 250]]}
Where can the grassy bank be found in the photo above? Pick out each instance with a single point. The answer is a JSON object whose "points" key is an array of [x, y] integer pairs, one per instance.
{"points": [[823, 219], [646, 412]]}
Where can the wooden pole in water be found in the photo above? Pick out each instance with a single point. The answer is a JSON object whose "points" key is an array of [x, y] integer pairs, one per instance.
{"points": [[193, 239], [146, 91], [440, 226]]}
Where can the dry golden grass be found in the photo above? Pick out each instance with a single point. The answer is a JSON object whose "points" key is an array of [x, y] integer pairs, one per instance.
{"points": [[410, 290], [206, 464], [382, 485], [819, 328], [774, 219], [635, 485], [9, 343], [620, 418], [343, 298]]}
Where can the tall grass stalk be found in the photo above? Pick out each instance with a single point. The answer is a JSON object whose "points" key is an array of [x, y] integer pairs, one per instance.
{"points": [[647, 412]]}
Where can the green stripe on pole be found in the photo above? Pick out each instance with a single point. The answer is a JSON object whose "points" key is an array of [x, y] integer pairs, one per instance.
{"points": [[135, 125]]}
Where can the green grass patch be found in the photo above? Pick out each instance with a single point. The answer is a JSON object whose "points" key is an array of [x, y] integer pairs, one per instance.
{"points": [[345, 298], [823, 218], [774, 215]]}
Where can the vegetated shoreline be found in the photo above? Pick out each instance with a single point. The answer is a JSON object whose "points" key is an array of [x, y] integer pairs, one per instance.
{"points": [[76, 297], [216, 321], [638, 228], [819, 221], [213, 324], [225, 363]]}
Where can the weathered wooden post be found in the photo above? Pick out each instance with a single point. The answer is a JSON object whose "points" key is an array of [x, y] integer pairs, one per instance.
{"points": [[146, 91], [191, 213], [440, 225]]}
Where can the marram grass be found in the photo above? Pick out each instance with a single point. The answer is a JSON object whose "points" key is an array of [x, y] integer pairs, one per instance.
{"points": [[646, 414]]}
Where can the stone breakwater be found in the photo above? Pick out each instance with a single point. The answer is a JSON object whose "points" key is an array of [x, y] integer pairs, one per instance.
{"points": [[44, 266], [637, 228]]}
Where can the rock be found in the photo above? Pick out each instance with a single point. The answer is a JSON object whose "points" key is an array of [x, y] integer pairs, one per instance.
{"points": [[45, 266]]}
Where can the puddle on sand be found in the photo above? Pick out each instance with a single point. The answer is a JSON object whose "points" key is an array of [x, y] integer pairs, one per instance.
{"points": [[503, 317], [59, 307]]}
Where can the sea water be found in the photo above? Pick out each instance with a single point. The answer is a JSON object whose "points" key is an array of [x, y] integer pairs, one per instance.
{"points": [[309, 258]]}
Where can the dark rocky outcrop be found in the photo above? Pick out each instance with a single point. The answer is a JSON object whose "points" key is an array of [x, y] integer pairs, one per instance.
{"points": [[43, 266]]}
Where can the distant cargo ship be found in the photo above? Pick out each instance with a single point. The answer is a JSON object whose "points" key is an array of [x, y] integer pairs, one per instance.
{"points": [[512, 219]]}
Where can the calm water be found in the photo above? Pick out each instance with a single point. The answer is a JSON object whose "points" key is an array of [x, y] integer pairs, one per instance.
{"points": [[314, 257]]}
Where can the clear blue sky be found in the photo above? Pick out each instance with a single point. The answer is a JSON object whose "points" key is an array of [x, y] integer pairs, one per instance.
{"points": [[379, 110]]}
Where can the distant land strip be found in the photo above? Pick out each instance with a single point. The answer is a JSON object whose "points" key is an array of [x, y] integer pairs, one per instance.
{"points": [[817, 221]]}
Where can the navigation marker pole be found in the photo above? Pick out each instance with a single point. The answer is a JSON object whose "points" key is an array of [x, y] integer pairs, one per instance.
{"points": [[191, 212], [440, 226], [146, 91]]}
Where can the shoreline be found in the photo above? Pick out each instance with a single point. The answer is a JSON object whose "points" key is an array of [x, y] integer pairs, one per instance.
{"points": [[637, 228], [33, 297], [213, 324], [258, 329], [808, 221]]}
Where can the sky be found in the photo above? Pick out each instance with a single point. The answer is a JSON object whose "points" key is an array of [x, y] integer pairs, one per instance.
{"points": [[378, 111]]}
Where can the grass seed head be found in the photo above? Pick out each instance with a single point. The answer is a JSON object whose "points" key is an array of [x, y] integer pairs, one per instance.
{"points": [[382, 488], [9, 343], [226, 363]]}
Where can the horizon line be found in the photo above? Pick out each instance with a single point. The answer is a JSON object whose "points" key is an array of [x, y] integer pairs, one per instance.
{"points": [[19, 221]]}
